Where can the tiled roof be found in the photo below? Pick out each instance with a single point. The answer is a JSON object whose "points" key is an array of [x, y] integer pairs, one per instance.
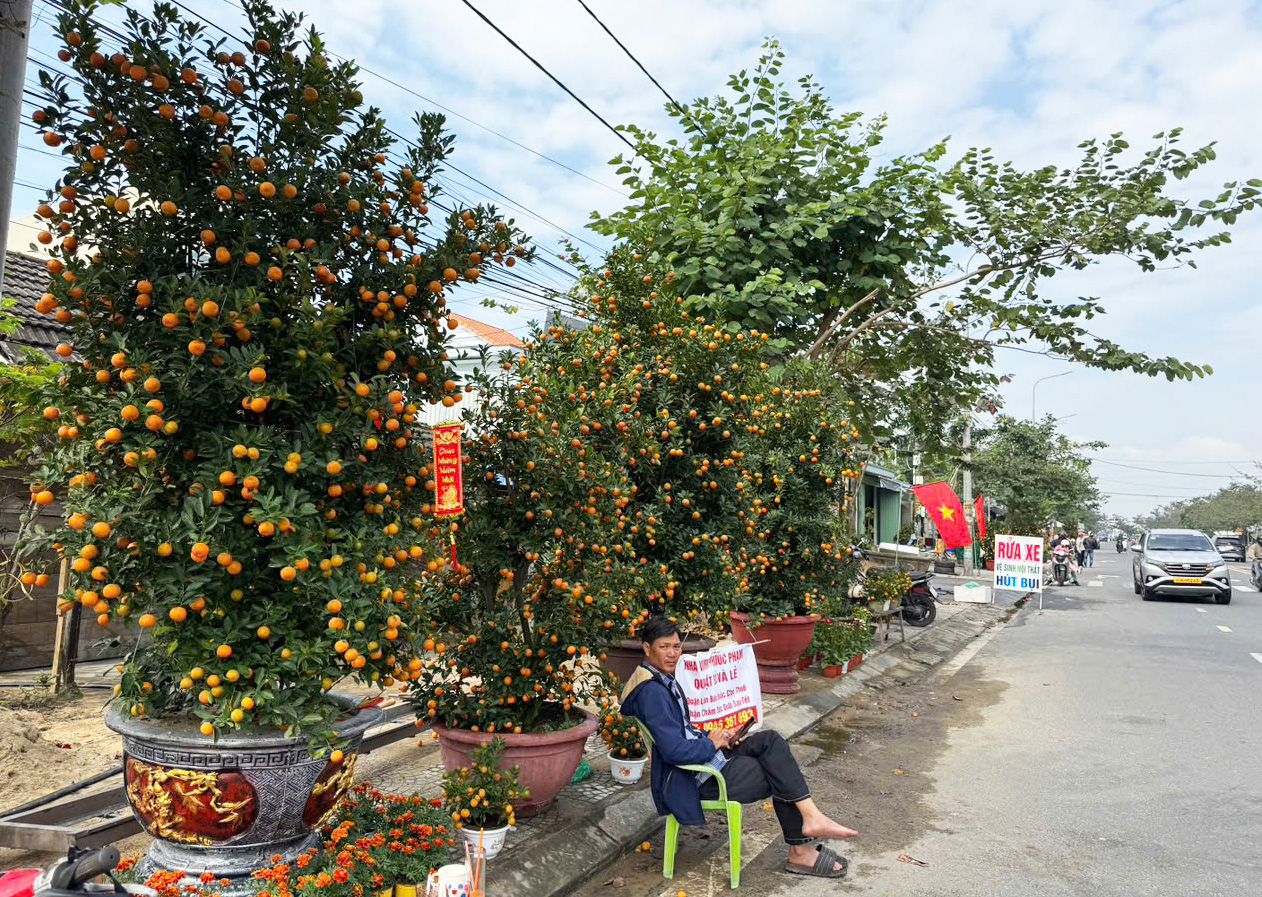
{"points": [[26, 279], [493, 335]]}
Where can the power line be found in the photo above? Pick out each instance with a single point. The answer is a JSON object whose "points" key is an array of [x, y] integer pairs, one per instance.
{"points": [[674, 102], [1173, 473], [432, 102], [1187, 461], [559, 83]]}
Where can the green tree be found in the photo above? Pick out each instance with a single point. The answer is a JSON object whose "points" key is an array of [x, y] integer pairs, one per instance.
{"points": [[905, 274], [260, 320], [1236, 506], [1037, 474]]}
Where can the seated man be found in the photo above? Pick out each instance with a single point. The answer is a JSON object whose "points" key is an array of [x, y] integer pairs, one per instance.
{"points": [[758, 767]]}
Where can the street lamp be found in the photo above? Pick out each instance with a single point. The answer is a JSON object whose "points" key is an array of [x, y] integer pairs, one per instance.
{"points": [[1034, 390]]}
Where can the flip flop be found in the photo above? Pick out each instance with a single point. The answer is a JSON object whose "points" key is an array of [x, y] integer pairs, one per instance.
{"points": [[823, 867]]}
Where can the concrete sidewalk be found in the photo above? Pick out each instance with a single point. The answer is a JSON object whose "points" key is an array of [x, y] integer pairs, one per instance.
{"points": [[596, 822]]}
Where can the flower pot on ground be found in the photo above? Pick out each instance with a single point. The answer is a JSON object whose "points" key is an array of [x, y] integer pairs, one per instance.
{"points": [[482, 794], [782, 643], [627, 751], [224, 805], [621, 658], [832, 670], [854, 662]]}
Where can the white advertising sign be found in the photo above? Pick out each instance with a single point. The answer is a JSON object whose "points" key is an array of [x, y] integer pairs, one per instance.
{"points": [[1019, 563], [721, 687]]}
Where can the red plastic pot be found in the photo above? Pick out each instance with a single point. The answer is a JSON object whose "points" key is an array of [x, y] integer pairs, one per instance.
{"points": [[833, 670], [547, 760], [782, 643]]}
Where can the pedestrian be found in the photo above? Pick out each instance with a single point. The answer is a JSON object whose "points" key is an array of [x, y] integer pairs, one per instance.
{"points": [[755, 768], [1080, 547], [1089, 547]]}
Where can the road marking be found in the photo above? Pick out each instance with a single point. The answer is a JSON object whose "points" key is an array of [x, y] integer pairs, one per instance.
{"points": [[1244, 588], [1224, 629], [1096, 583], [1257, 657], [1200, 610]]}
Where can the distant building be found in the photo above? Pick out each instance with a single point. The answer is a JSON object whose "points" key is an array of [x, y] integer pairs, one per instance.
{"points": [[464, 348], [26, 280]]}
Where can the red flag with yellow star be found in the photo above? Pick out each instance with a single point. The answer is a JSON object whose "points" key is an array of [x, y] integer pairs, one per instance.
{"points": [[947, 512]]}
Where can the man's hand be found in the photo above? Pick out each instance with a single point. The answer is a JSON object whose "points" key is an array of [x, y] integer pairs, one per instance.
{"points": [[721, 737]]}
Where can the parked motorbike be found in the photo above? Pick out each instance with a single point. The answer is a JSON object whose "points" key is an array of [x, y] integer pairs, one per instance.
{"points": [[919, 603], [72, 877]]}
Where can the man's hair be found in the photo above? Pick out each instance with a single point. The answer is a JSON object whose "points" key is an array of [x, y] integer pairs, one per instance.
{"points": [[657, 627]]}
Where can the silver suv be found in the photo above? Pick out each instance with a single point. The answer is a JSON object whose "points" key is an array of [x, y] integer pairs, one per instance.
{"points": [[1180, 562]]}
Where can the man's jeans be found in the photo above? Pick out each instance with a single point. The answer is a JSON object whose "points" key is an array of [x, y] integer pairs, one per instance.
{"points": [[762, 766], [1089, 556]]}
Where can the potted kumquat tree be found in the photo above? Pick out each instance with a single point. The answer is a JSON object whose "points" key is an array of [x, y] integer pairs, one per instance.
{"points": [[257, 299]]}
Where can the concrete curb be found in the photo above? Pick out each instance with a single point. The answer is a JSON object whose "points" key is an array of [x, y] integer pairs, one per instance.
{"points": [[560, 862]]}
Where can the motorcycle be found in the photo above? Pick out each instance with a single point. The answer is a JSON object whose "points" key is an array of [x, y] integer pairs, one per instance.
{"points": [[1121, 546], [72, 877], [1060, 564], [919, 603]]}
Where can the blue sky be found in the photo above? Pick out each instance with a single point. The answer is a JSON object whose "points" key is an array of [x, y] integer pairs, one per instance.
{"points": [[1031, 79]]}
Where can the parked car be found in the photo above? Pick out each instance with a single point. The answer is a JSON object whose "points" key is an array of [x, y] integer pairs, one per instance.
{"points": [[1230, 545], [1180, 562]]}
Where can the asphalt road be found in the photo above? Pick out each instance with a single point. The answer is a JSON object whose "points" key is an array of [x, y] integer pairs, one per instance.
{"points": [[1105, 746]]}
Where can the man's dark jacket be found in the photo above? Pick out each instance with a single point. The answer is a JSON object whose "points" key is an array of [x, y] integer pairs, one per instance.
{"points": [[675, 791]]}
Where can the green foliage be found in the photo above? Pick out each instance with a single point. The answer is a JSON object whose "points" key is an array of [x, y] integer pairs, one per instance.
{"points": [[886, 585], [1238, 506], [1038, 475], [481, 795], [261, 319], [623, 737], [778, 215], [840, 639]]}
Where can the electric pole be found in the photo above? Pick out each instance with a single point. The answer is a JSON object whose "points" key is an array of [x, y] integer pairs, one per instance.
{"points": [[15, 33], [968, 490]]}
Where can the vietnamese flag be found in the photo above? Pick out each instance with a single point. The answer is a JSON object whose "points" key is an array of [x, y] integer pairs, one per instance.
{"points": [[979, 507], [947, 512]]}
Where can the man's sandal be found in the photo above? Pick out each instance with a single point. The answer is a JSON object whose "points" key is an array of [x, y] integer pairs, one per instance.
{"points": [[823, 867]]}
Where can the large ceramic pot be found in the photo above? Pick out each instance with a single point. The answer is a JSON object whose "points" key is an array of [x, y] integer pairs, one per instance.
{"points": [[782, 643], [621, 658], [547, 760], [227, 806]]}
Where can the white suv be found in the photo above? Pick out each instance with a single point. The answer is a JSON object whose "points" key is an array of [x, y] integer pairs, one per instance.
{"points": [[1180, 562]]}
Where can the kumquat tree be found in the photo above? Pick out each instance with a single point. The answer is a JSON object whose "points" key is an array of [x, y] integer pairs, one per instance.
{"points": [[256, 293]]}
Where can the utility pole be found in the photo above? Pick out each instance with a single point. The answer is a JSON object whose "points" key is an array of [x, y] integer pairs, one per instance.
{"points": [[15, 33], [969, 570]]}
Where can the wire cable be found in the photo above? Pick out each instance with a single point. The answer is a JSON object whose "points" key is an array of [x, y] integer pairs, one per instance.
{"points": [[674, 102], [559, 83], [1173, 473]]}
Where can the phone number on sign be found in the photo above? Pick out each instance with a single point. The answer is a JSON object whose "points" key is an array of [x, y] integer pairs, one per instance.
{"points": [[731, 721]]}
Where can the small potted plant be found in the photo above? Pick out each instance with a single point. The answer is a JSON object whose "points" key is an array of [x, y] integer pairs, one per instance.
{"points": [[887, 586], [627, 751], [480, 798]]}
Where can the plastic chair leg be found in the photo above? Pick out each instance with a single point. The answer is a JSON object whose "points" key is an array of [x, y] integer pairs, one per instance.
{"points": [[669, 847], [734, 842]]}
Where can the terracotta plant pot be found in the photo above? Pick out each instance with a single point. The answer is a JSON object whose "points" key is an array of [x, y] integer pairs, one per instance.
{"points": [[853, 663], [228, 805], [805, 662], [782, 644], [833, 670], [547, 760], [990, 563], [621, 658]]}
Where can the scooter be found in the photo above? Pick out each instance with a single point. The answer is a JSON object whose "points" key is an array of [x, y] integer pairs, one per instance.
{"points": [[1121, 546], [1060, 564], [72, 877], [920, 604]]}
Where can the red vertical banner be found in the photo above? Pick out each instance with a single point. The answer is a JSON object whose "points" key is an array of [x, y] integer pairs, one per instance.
{"points": [[448, 480], [979, 508]]}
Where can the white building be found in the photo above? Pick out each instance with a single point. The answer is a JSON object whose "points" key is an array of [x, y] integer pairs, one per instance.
{"points": [[463, 348]]}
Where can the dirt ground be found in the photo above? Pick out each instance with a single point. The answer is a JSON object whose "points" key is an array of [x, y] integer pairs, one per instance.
{"points": [[869, 766]]}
